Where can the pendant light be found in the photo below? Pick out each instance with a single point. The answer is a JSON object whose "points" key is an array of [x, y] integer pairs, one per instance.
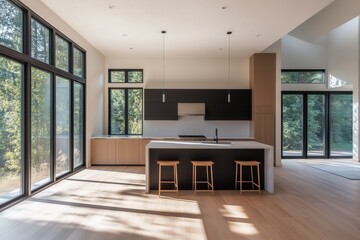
{"points": [[163, 94], [229, 97]]}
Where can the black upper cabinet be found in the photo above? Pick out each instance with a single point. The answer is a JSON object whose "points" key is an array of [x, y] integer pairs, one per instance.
{"points": [[155, 95], [155, 109], [216, 102], [216, 96], [191, 95], [161, 111]]}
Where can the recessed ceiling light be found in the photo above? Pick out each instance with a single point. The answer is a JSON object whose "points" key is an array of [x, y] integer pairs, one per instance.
{"points": [[225, 7], [258, 35], [125, 35], [111, 6], [220, 49], [131, 48]]}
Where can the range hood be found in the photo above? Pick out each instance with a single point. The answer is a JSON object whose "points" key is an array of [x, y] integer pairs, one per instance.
{"points": [[191, 109]]}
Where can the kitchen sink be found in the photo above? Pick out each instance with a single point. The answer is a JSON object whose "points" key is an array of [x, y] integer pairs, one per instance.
{"points": [[214, 142]]}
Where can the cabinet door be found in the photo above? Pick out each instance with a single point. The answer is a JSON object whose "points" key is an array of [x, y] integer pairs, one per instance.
{"points": [[142, 150], [155, 95], [127, 151], [161, 111], [191, 96], [103, 151]]}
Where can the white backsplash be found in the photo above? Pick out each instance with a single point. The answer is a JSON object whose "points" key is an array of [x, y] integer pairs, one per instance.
{"points": [[196, 125]]}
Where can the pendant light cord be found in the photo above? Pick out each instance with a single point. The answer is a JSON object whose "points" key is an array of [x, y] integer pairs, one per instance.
{"points": [[163, 32], [229, 33]]}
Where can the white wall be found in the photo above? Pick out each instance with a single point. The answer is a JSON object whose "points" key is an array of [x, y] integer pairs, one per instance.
{"points": [[94, 72], [188, 72]]}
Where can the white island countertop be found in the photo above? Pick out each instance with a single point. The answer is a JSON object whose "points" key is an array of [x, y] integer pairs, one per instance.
{"points": [[268, 153], [208, 145]]}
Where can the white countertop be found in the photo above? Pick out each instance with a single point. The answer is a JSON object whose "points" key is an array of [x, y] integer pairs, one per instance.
{"points": [[202, 145], [164, 138]]}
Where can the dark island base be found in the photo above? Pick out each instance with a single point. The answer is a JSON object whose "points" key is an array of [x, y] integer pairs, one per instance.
{"points": [[224, 166]]}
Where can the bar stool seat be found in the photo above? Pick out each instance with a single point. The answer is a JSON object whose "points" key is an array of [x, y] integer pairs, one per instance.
{"points": [[209, 182], [175, 179], [251, 164]]}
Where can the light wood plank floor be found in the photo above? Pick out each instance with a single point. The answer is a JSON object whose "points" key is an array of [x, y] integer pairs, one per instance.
{"points": [[110, 203]]}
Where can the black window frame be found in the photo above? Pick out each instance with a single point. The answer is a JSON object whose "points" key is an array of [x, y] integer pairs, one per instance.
{"points": [[126, 71], [24, 57], [126, 132], [327, 94]]}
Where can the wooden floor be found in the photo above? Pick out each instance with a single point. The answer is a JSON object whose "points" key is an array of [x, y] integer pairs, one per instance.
{"points": [[110, 203]]}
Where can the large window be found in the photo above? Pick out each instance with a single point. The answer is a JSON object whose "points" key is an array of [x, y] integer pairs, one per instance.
{"points": [[40, 127], [341, 124], [316, 124], [125, 111], [302, 76], [11, 131], [42, 103], [125, 75], [79, 118], [61, 53], [125, 102], [40, 41], [11, 26], [78, 63], [63, 120]]}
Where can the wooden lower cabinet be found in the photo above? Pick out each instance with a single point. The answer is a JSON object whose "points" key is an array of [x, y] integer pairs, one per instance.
{"points": [[118, 151], [103, 151]]}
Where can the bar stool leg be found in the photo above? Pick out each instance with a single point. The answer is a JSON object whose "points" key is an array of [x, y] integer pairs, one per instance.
{"points": [[252, 178], [236, 173], [258, 172], [240, 179], [207, 176], [159, 180], [195, 176], [212, 179]]}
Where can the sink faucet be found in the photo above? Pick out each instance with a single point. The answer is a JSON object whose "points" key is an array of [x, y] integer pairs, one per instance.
{"points": [[216, 136]]}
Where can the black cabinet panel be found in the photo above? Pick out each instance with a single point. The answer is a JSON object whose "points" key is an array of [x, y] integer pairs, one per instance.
{"points": [[217, 106], [161, 111], [239, 107], [216, 96], [191, 95], [155, 95]]}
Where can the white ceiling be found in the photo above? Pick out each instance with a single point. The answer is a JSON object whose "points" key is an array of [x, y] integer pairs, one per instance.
{"points": [[193, 26]]}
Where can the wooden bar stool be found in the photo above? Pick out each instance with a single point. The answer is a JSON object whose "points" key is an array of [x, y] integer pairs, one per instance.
{"points": [[208, 165], [175, 179], [251, 164]]}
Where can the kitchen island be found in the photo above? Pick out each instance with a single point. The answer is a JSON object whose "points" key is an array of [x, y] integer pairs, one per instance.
{"points": [[223, 154]]}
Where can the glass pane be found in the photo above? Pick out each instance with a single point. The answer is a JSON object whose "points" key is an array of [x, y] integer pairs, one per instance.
{"points": [[40, 127], [135, 111], [62, 151], [135, 76], [292, 142], [316, 125], [117, 111], [78, 124], [11, 147], [299, 77], [117, 76], [11, 26], [341, 125], [61, 53], [40, 41], [78, 63]]}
